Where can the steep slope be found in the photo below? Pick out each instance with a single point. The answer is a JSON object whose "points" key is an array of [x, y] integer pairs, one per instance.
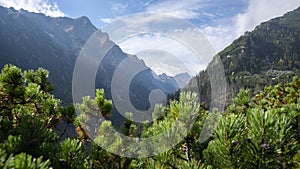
{"points": [[31, 40], [267, 55]]}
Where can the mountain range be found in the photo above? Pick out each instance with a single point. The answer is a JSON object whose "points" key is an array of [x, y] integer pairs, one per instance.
{"points": [[265, 56], [31, 40]]}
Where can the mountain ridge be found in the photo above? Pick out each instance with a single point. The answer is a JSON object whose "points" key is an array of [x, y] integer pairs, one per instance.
{"points": [[265, 56], [29, 40]]}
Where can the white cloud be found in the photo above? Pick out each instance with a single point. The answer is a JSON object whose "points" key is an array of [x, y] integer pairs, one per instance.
{"points": [[117, 7], [260, 11], [187, 9], [162, 62], [165, 54], [37, 6], [134, 21], [257, 12], [107, 20], [219, 36], [160, 53], [148, 2], [189, 49]]}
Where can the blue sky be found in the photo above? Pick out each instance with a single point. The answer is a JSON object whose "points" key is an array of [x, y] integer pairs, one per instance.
{"points": [[220, 21], [200, 12]]}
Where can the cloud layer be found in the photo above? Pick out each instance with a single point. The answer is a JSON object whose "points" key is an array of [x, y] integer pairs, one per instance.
{"points": [[118, 7], [260, 11], [165, 55], [37, 6], [187, 9]]}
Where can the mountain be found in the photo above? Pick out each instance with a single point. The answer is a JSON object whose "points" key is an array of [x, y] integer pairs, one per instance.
{"points": [[30, 40], [268, 55], [168, 79], [182, 79]]}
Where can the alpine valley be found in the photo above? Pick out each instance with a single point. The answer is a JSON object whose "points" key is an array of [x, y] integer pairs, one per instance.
{"points": [[31, 40]]}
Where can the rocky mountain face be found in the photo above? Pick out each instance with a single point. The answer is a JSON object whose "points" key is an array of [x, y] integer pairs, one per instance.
{"points": [[31, 40], [265, 56]]}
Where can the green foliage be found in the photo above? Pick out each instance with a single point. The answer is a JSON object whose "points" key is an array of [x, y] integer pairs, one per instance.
{"points": [[71, 154], [265, 138], [249, 134], [39, 77], [22, 161], [274, 97], [241, 102], [92, 113], [68, 113], [260, 131], [12, 84], [104, 105], [28, 117], [129, 128], [32, 137], [296, 160], [28, 114], [21, 97], [224, 151], [93, 127], [174, 120]]}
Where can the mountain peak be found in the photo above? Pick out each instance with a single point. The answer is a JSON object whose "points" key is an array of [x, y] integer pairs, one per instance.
{"points": [[84, 20]]}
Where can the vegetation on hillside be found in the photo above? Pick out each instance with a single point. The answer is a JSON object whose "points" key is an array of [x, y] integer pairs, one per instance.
{"points": [[266, 56]]}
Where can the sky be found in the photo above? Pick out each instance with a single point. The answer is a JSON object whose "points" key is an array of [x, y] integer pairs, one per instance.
{"points": [[220, 21]]}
